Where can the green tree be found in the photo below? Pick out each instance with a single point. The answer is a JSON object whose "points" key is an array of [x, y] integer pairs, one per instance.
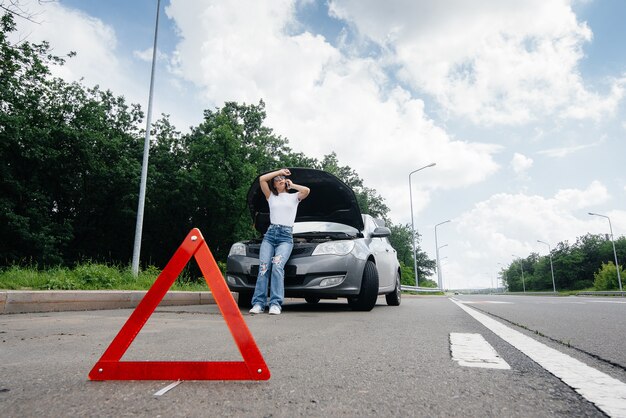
{"points": [[222, 156], [23, 224], [64, 151], [512, 277], [575, 266], [542, 278], [606, 277], [400, 239], [530, 280], [201, 179]]}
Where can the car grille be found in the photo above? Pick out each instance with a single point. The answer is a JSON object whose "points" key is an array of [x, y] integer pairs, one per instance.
{"points": [[291, 276], [299, 250]]}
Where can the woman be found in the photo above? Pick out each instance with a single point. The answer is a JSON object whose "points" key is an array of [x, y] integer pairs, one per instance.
{"points": [[277, 241]]}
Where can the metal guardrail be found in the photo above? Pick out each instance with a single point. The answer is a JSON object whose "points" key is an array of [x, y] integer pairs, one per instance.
{"points": [[585, 293], [602, 293], [420, 289], [588, 293], [532, 293]]}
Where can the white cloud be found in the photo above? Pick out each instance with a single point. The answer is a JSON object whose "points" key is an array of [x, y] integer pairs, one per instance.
{"points": [[565, 151], [493, 62], [320, 98], [510, 224], [521, 219], [595, 194], [520, 163], [71, 30], [146, 55]]}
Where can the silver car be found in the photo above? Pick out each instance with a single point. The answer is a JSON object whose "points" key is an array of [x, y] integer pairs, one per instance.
{"points": [[337, 253]]}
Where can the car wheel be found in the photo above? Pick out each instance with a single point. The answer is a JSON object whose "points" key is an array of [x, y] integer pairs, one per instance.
{"points": [[244, 300], [394, 298], [312, 299], [369, 289]]}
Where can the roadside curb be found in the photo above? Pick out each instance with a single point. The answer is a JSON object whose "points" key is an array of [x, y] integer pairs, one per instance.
{"points": [[20, 301]]}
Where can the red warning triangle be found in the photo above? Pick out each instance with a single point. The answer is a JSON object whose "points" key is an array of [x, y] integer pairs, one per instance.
{"points": [[253, 366]]}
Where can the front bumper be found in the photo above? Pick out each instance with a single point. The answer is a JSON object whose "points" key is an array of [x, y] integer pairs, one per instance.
{"points": [[303, 275]]}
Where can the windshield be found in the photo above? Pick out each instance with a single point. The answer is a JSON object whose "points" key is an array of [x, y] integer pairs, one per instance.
{"points": [[332, 227]]}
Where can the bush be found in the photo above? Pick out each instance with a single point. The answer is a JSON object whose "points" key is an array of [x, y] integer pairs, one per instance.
{"points": [[91, 276], [15, 278], [428, 283], [606, 277], [60, 283], [97, 276], [407, 275], [582, 284]]}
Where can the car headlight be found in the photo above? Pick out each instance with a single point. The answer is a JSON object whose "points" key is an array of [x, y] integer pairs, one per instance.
{"points": [[238, 248], [334, 248]]}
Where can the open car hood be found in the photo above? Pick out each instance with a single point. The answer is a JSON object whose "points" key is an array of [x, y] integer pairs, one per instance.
{"points": [[330, 200]]}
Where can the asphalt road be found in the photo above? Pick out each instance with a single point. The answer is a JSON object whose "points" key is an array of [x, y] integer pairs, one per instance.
{"points": [[325, 360], [595, 325]]}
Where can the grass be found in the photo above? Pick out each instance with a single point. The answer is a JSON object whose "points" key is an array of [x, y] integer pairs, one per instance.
{"points": [[414, 292], [90, 276]]}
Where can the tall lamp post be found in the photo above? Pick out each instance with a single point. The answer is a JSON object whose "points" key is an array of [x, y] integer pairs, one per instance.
{"points": [[521, 266], [146, 150], [440, 265], [412, 224], [551, 265], [619, 278], [449, 280], [437, 254]]}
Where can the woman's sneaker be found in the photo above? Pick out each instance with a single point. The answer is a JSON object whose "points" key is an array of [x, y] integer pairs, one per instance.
{"points": [[257, 309], [274, 310]]}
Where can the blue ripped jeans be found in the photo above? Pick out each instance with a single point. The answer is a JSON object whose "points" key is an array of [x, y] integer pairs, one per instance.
{"points": [[275, 251]]}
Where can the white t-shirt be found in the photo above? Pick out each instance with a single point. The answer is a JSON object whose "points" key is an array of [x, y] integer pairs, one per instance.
{"points": [[283, 208]]}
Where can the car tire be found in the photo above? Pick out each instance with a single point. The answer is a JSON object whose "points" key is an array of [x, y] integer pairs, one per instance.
{"points": [[312, 300], [244, 300], [366, 300], [394, 298]]}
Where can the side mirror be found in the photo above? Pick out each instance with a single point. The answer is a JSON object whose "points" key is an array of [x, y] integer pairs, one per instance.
{"points": [[381, 232]]}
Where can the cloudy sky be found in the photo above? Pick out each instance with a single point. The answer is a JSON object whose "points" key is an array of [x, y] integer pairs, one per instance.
{"points": [[521, 104]]}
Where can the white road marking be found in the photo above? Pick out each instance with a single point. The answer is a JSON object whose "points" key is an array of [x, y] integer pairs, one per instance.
{"points": [[606, 301], [472, 350], [167, 388], [487, 301], [606, 392]]}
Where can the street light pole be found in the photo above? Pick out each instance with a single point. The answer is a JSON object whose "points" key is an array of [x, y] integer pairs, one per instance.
{"points": [[439, 269], [412, 223], [619, 278], [551, 265], [146, 151], [437, 254], [521, 266]]}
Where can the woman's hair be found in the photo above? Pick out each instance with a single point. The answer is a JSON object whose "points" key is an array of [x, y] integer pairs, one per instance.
{"points": [[273, 187]]}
